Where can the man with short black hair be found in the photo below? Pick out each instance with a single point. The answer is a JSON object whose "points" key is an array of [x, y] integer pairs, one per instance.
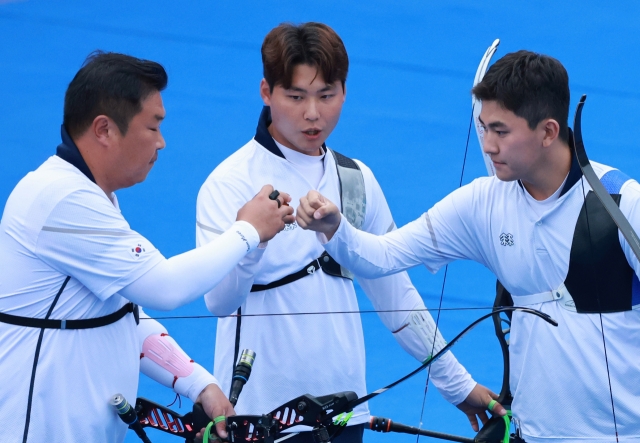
{"points": [[303, 89], [541, 230], [73, 271]]}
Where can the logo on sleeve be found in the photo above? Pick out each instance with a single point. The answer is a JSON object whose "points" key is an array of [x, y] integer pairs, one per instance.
{"points": [[506, 239], [137, 251]]}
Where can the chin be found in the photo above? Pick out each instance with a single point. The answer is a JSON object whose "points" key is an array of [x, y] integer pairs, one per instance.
{"points": [[505, 177]]}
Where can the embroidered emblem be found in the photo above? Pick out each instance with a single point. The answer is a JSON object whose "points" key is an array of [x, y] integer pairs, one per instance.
{"points": [[506, 239], [137, 251]]}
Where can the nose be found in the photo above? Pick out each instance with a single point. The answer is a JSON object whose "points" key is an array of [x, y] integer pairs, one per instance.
{"points": [[488, 144], [160, 144], [311, 112]]}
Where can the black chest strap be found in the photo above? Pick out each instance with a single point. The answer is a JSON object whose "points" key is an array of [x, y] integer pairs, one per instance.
{"points": [[84, 323], [325, 262], [353, 202], [600, 279]]}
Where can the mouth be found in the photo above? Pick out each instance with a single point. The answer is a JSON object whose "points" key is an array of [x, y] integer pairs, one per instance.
{"points": [[312, 133]]}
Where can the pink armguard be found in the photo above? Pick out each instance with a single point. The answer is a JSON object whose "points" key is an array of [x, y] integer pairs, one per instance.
{"points": [[163, 353]]}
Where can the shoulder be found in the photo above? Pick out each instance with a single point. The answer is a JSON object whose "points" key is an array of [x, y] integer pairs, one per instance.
{"points": [[233, 171], [54, 181], [59, 195], [614, 180], [479, 199]]}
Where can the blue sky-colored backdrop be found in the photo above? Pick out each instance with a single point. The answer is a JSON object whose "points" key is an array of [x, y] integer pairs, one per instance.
{"points": [[406, 116]]}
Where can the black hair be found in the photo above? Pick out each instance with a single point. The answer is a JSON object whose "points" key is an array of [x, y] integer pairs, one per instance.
{"points": [[532, 86], [110, 84]]}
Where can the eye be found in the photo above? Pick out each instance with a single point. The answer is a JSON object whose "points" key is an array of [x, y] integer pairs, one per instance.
{"points": [[327, 96], [295, 97]]}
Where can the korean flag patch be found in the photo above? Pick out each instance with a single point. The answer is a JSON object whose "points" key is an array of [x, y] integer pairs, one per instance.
{"points": [[137, 251]]}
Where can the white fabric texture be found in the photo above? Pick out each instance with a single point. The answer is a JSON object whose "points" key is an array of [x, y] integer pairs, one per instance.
{"points": [[558, 375], [58, 223], [321, 354], [185, 277]]}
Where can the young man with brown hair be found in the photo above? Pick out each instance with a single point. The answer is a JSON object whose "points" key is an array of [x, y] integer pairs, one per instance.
{"points": [[540, 229], [303, 89]]}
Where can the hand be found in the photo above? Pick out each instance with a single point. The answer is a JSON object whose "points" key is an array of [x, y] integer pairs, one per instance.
{"points": [[266, 215], [215, 404], [477, 403], [318, 213]]}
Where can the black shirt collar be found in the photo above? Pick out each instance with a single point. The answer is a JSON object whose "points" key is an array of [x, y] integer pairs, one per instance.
{"points": [[575, 173], [68, 151], [262, 133], [264, 137]]}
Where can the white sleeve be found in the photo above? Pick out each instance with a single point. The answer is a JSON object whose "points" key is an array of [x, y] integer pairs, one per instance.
{"points": [[216, 209], [441, 235], [185, 277], [395, 298], [190, 386]]}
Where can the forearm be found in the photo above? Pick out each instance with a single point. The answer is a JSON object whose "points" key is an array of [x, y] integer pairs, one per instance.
{"points": [[233, 290], [185, 277], [164, 361], [403, 312], [452, 379], [368, 255]]}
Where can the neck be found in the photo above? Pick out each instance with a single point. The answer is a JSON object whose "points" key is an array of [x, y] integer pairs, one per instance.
{"points": [[98, 166], [550, 173]]}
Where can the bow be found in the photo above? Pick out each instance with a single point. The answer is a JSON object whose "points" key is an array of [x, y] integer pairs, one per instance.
{"points": [[326, 414], [476, 107], [614, 212]]}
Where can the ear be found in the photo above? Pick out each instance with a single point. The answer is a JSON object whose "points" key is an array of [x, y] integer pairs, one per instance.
{"points": [[102, 128], [265, 92], [551, 130]]}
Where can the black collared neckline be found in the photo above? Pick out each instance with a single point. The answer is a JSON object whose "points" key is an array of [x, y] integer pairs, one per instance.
{"points": [[575, 173], [264, 137], [69, 152]]}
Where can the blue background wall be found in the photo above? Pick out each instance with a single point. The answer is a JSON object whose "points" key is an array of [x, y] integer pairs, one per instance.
{"points": [[406, 116]]}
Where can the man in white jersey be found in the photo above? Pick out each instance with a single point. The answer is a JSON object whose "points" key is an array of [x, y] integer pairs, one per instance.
{"points": [[549, 241], [305, 70], [73, 270]]}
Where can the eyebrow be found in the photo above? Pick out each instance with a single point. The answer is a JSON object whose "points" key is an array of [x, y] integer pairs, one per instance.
{"points": [[492, 125], [296, 89]]}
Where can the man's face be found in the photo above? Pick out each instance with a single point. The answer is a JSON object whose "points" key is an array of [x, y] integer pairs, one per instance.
{"points": [[137, 151], [304, 115], [515, 149]]}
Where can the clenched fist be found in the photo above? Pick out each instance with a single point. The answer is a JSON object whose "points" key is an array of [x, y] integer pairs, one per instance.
{"points": [[266, 215], [318, 213]]}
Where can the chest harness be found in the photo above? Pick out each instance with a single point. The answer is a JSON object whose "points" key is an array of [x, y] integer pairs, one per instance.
{"points": [[600, 279], [353, 204], [68, 151]]}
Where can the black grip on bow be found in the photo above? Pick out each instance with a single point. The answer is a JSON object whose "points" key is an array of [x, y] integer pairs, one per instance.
{"points": [[502, 326], [307, 410], [156, 416]]}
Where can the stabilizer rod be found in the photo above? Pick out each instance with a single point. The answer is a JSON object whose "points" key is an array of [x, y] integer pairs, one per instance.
{"points": [[381, 424]]}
